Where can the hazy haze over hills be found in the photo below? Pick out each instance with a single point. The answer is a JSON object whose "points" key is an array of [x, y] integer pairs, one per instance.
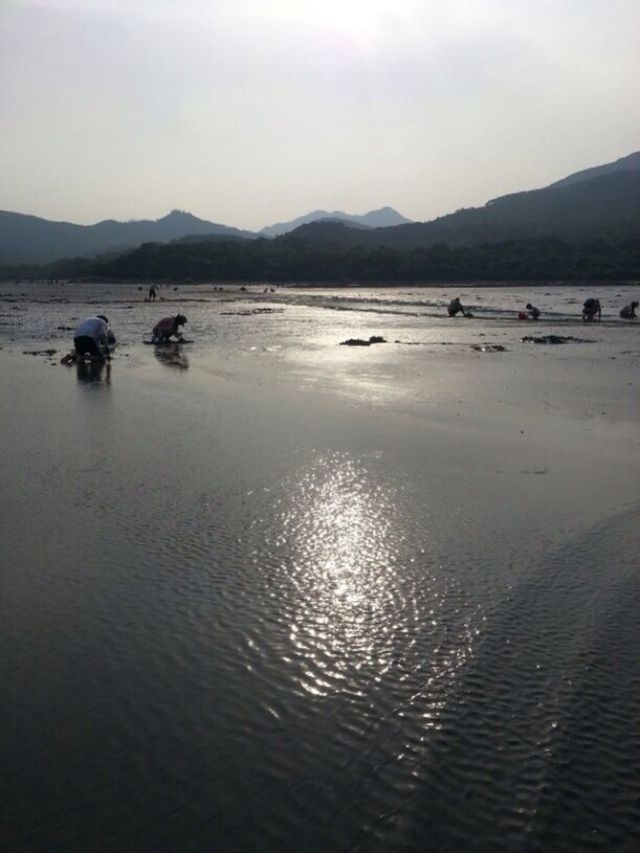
{"points": [[631, 163], [252, 113], [593, 203], [31, 239], [384, 217], [600, 202]]}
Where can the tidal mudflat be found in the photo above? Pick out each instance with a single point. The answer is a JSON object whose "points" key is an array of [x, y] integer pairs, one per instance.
{"points": [[266, 592]]}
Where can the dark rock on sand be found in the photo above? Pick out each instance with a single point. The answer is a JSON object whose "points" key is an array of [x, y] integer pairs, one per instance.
{"points": [[251, 311], [488, 348], [39, 352], [554, 339], [359, 342]]}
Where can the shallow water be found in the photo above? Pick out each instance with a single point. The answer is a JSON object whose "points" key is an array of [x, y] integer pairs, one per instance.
{"points": [[270, 593]]}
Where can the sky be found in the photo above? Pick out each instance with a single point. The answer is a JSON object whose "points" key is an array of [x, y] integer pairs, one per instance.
{"points": [[250, 112]]}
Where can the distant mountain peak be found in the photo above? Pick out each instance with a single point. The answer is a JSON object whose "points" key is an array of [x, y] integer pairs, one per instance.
{"points": [[28, 239], [179, 216], [383, 217]]}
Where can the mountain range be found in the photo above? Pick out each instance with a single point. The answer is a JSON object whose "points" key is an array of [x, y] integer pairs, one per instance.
{"points": [[31, 239], [384, 217], [596, 203], [599, 203]]}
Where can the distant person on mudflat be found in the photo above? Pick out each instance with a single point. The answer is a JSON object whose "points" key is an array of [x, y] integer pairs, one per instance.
{"points": [[590, 308], [91, 338], [153, 293], [455, 307], [629, 311], [168, 328], [534, 313]]}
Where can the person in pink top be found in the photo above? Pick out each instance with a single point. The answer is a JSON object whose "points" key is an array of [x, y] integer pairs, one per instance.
{"points": [[168, 328]]}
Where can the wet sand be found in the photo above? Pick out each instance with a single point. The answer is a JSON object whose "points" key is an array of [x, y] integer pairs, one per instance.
{"points": [[269, 592]]}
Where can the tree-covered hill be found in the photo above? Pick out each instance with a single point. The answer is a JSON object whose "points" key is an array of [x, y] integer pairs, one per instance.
{"points": [[603, 207], [630, 163], [281, 261], [584, 227]]}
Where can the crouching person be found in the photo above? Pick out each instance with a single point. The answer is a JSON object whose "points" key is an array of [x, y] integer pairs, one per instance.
{"points": [[629, 311], [168, 328], [591, 309], [455, 307], [91, 338]]}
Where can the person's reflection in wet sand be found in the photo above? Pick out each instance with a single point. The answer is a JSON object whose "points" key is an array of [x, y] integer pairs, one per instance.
{"points": [[94, 371], [171, 356]]}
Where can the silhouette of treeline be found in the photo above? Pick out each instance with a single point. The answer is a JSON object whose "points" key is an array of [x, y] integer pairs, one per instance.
{"points": [[289, 261], [586, 226]]}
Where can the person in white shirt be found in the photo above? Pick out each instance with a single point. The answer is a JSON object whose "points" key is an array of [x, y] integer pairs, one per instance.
{"points": [[91, 337]]}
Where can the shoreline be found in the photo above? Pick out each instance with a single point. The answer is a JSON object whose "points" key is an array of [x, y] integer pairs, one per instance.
{"points": [[237, 284]]}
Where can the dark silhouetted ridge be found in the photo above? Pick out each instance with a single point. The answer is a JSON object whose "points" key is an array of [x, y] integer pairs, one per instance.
{"points": [[30, 239], [631, 163]]}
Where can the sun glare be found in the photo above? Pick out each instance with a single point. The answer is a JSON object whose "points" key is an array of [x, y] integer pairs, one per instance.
{"points": [[349, 17]]}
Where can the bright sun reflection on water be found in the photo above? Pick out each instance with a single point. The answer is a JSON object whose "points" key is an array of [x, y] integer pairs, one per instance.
{"points": [[361, 601], [345, 542]]}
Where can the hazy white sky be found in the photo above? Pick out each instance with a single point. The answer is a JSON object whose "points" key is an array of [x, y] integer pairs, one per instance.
{"points": [[248, 112]]}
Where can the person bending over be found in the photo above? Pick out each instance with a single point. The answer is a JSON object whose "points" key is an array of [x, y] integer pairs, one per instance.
{"points": [[590, 308], [629, 311], [91, 338], [534, 313], [168, 328], [455, 307]]}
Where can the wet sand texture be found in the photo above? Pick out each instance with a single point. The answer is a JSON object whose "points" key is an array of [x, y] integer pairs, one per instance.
{"points": [[272, 593]]}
